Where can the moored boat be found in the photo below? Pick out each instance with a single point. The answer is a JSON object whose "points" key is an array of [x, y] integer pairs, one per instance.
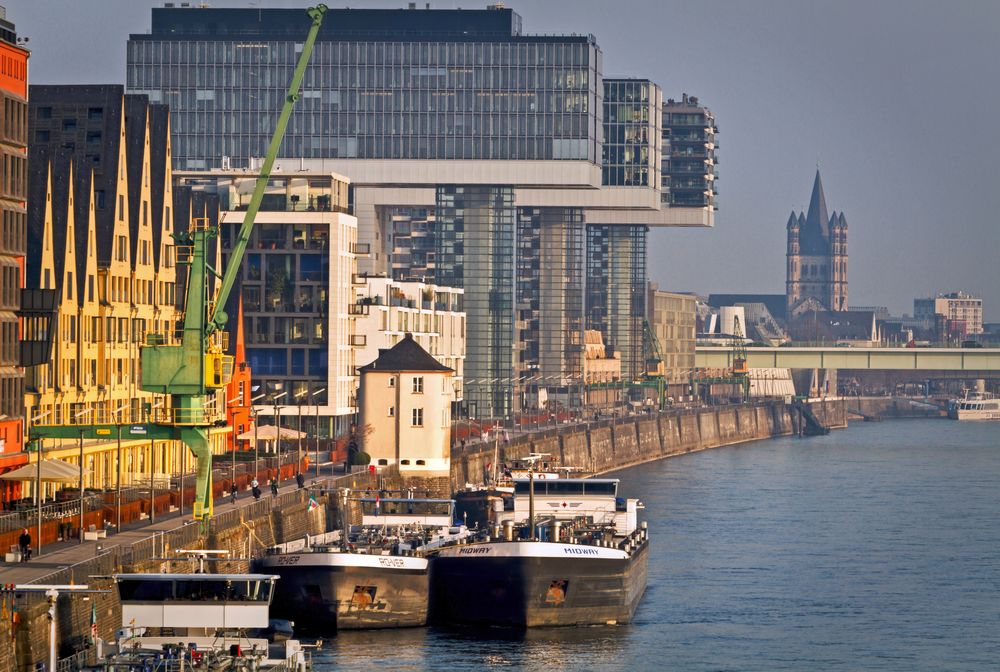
{"points": [[375, 576], [582, 561], [975, 406], [208, 620]]}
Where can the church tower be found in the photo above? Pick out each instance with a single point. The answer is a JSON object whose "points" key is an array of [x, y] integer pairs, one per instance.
{"points": [[816, 269]]}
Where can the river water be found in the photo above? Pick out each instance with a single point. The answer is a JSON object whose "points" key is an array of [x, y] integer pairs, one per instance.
{"points": [[873, 548]]}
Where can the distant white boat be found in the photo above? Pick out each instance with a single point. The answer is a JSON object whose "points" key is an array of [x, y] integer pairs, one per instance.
{"points": [[975, 406]]}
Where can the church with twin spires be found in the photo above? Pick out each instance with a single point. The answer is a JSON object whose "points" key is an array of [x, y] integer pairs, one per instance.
{"points": [[816, 270]]}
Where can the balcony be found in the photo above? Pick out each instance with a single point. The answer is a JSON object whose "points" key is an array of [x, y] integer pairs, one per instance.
{"points": [[358, 309], [358, 340], [361, 249]]}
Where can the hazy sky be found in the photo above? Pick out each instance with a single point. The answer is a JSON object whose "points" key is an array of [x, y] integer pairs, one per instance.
{"points": [[897, 101]]}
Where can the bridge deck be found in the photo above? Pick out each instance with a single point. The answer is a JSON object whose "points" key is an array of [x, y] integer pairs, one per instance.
{"points": [[832, 357]]}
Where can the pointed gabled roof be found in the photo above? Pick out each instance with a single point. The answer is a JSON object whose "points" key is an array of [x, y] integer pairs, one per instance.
{"points": [[815, 233], [407, 355], [792, 220]]}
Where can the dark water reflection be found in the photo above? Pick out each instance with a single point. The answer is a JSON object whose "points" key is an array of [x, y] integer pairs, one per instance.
{"points": [[874, 548]]}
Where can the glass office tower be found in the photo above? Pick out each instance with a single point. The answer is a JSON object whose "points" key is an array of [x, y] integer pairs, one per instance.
{"points": [[475, 251], [616, 255], [550, 288], [616, 290], [381, 84]]}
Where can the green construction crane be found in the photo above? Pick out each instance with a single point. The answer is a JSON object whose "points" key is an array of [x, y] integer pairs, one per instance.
{"points": [[191, 365]]}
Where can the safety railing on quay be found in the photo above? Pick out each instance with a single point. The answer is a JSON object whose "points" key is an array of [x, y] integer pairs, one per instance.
{"points": [[78, 661]]}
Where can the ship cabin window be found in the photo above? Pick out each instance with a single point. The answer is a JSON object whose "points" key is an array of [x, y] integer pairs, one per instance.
{"points": [[421, 462], [194, 590], [404, 461], [567, 487], [383, 462]]}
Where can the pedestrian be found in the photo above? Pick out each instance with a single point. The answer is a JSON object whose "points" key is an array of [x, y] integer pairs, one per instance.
{"points": [[24, 544], [233, 491], [254, 483], [256, 493], [300, 480], [274, 487]]}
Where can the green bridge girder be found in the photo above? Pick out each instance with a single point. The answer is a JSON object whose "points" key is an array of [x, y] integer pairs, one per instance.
{"points": [[833, 357], [129, 432]]}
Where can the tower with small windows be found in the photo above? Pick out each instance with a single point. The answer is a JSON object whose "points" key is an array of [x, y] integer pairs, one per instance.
{"points": [[816, 270], [405, 403]]}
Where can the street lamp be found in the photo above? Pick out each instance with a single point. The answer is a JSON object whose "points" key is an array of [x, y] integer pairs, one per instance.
{"points": [[118, 472], [38, 479], [253, 415], [83, 412], [298, 400], [316, 427], [152, 491], [277, 429]]}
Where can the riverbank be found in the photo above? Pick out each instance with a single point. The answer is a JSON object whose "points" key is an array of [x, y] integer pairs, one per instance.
{"points": [[608, 445]]}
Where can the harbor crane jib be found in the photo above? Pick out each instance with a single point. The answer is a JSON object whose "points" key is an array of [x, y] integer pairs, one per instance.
{"points": [[189, 365]]}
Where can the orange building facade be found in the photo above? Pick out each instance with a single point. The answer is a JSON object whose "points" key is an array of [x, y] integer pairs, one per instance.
{"points": [[13, 209], [239, 392]]}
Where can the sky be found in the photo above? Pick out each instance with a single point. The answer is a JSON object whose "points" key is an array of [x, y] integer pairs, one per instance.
{"points": [[896, 102]]}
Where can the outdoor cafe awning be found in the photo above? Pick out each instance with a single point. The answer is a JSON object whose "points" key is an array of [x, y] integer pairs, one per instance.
{"points": [[269, 433], [52, 470]]}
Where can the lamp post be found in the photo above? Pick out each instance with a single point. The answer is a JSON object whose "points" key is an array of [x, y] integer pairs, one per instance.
{"points": [[118, 472], [38, 481], [83, 412], [298, 400], [277, 429], [253, 415], [152, 491], [316, 426]]}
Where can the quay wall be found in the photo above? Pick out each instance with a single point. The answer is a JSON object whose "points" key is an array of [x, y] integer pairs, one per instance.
{"points": [[611, 444], [244, 532]]}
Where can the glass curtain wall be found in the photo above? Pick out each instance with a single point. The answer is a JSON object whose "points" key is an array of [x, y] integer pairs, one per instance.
{"points": [[616, 290], [475, 251], [550, 288], [522, 99]]}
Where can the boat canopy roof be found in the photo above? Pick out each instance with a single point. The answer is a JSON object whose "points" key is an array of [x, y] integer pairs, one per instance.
{"points": [[406, 500], [195, 577]]}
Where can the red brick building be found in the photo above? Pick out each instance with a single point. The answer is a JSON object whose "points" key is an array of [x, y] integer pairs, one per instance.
{"points": [[13, 209]]}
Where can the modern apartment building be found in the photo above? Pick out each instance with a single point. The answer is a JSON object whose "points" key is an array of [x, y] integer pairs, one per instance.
{"points": [[13, 196], [99, 223], [964, 311], [452, 114], [672, 320], [386, 310], [297, 285], [690, 141]]}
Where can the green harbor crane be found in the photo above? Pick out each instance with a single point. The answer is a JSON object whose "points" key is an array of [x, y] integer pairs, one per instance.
{"points": [[189, 365]]}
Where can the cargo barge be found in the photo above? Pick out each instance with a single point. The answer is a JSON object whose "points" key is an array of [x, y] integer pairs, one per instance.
{"points": [[581, 561]]}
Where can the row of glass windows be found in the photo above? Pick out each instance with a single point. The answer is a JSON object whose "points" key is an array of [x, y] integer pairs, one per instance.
{"points": [[287, 361], [217, 79], [328, 124], [350, 53], [287, 330]]}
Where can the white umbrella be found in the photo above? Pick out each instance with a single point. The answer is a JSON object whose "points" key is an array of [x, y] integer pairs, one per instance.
{"points": [[52, 470], [269, 433]]}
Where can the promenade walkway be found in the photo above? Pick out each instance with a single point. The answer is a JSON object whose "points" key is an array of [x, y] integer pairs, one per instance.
{"points": [[60, 555]]}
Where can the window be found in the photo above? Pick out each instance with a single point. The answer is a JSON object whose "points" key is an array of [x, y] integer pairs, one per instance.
{"points": [[392, 381], [418, 385], [392, 411], [418, 417]]}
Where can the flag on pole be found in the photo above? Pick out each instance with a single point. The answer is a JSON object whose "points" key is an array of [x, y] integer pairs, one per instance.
{"points": [[313, 504], [93, 621]]}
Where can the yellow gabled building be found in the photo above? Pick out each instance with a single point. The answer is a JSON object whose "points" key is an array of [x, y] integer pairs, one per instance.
{"points": [[99, 233]]}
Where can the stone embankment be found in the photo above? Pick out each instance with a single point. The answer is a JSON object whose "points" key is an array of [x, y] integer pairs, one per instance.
{"points": [[244, 531], [611, 444]]}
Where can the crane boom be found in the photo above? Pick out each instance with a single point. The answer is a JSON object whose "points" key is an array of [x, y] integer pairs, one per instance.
{"points": [[218, 319]]}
